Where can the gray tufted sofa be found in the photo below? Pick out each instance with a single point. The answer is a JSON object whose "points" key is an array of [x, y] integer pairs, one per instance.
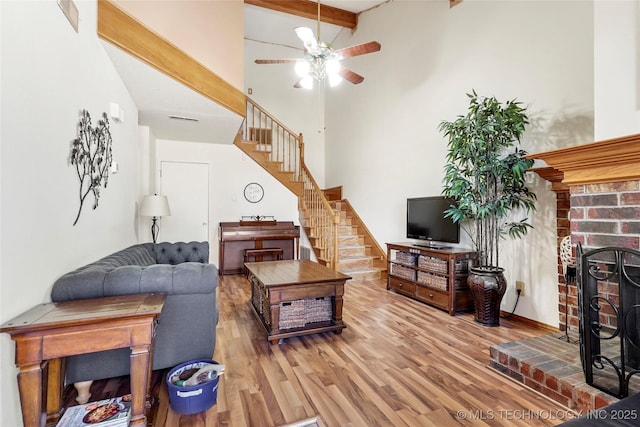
{"points": [[187, 326]]}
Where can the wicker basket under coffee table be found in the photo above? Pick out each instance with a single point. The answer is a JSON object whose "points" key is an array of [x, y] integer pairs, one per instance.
{"points": [[296, 297]]}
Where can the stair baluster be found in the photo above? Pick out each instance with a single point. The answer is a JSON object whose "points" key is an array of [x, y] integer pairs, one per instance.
{"points": [[281, 153]]}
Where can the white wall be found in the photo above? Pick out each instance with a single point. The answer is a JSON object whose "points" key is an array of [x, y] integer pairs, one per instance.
{"points": [[230, 170], [50, 73], [146, 140], [382, 142], [617, 68]]}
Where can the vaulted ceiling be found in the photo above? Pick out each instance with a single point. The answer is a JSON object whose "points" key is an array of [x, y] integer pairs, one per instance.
{"points": [[270, 21], [274, 21]]}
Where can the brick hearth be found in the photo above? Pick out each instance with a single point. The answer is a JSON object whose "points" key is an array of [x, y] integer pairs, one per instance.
{"points": [[550, 365]]}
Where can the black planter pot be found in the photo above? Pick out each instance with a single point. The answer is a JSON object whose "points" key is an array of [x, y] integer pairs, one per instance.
{"points": [[487, 285]]}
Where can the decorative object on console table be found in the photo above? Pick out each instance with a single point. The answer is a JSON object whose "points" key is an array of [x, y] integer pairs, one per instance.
{"points": [[487, 183], [91, 155], [155, 206], [258, 220]]}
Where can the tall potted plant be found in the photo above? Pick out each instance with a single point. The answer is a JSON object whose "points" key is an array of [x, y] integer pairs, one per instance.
{"points": [[485, 176]]}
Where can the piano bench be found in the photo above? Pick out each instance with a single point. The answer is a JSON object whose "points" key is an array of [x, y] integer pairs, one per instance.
{"points": [[257, 254]]}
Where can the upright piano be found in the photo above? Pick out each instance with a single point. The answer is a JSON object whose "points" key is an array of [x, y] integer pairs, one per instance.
{"points": [[235, 237]]}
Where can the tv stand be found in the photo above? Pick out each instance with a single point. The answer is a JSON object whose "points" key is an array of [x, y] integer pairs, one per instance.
{"points": [[432, 274]]}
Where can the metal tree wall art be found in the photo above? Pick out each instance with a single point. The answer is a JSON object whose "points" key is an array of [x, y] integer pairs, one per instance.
{"points": [[91, 155]]}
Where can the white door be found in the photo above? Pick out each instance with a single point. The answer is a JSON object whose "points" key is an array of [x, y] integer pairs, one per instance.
{"points": [[186, 186]]}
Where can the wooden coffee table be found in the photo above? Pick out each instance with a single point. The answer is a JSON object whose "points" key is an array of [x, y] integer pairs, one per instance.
{"points": [[280, 291], [49, 332]]}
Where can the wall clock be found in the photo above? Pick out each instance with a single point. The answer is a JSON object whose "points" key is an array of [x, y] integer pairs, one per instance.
{"points": [[253, 192]]}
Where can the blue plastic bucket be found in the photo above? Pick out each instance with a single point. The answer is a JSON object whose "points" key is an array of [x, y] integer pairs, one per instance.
{"points": [[195, 398]]}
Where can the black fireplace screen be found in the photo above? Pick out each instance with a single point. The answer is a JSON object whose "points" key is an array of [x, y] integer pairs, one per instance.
{"points": [[609, 311]]}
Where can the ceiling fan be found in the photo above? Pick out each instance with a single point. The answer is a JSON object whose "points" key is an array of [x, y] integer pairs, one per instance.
{"points": [[322, 61]]}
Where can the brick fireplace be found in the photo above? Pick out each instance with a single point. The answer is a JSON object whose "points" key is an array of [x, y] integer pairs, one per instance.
{"points": [[595, 215], [597, 190]]}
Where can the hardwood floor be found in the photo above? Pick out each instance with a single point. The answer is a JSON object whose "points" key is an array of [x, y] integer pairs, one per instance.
{"points": [[398, 363]]}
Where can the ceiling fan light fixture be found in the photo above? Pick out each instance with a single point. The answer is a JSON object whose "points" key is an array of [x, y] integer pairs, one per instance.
{"points": [[334, 80], [321, 61], [332, 66], [302, 68], [307, 82]]}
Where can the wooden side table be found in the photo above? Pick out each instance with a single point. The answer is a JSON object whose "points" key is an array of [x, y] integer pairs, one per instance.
{"points": [[48, 332]]}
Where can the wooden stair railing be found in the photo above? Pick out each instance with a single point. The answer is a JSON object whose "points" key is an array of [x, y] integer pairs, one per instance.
{"points": [[279, 144], [320, 219], [281, 153]]}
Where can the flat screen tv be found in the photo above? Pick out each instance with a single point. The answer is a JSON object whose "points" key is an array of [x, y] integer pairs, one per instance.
{"points": [[426, 221]]}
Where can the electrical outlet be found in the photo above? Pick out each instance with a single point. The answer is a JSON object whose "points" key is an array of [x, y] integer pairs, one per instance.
{"points": [[520, 287]]}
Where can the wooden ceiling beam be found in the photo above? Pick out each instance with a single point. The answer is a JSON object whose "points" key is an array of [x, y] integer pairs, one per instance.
{"points": [[309, 9], [122, 30]]}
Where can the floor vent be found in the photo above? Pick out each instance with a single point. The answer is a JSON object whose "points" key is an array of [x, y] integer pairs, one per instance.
{"points": [[305, 253]]}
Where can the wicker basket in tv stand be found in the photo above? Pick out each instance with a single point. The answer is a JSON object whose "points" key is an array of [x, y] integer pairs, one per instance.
{"points": [[436, 276]]}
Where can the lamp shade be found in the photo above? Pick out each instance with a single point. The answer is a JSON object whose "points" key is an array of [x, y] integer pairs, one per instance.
{"points": [[155, 206]]}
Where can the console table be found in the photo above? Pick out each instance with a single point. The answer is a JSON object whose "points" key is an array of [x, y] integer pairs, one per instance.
{"points": [[436, 276], [48, 332], [300, 297]]}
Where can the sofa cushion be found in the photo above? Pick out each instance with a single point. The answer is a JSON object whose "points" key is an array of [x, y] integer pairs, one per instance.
{"points": [[185, 278], [179, 252], [141, 254], [88, 281], [180, 268]]}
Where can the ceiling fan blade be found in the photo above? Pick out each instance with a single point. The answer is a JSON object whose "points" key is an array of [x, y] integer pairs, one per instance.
{"points": [[277, 61], [308, 38], [349, 75], [359, 49]]}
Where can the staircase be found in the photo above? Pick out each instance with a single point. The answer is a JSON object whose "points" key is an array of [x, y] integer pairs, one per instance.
{"points": [[338, 237], [358, 255]]}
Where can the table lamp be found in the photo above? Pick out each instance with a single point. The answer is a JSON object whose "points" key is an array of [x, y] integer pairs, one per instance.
{"points": [[155, 206]]}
